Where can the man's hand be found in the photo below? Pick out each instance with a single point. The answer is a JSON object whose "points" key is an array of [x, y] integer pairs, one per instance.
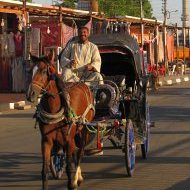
{"points": [[89, 67], [73, 64]]}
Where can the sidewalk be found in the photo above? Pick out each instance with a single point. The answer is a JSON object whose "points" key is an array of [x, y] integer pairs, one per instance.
{"points": [[7, 100], [174, 79]]}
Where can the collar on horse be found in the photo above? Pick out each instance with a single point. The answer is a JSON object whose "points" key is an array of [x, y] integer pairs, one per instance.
{"points": [[48, 118]]}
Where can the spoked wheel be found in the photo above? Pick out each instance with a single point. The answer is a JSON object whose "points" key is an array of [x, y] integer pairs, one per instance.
{"points": [[57, 163], [146, 138], [129, 148]]}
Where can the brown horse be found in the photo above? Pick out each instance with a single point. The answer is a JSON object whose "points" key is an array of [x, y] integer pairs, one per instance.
{"points": [[54, 121]]}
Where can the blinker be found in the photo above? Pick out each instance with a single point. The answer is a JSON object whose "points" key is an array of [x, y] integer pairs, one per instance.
{"points": [[52, 77]]}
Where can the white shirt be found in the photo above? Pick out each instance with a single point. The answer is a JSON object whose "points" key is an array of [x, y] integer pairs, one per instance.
{"points": [[83, 54]]}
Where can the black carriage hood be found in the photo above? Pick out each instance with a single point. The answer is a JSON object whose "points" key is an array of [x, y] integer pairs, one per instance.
{"points": [[125, 41]]}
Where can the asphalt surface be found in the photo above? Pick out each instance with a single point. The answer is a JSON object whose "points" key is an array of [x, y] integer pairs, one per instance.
{"points": [[167, 167]]}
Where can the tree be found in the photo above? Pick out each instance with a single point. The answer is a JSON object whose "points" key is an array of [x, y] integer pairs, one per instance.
{"points": [[125, 7], [68, 3]]}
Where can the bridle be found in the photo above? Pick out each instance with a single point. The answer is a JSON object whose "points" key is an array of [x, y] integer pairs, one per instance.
{"points": [[41, 114], [39, 86]]}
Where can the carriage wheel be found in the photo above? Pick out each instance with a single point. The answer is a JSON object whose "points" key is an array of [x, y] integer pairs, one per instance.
{"points": [[129, 148], [145, 145], [57, 163]]}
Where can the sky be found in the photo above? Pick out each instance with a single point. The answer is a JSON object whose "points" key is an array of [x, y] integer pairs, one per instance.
{"points": [[172, 5]]}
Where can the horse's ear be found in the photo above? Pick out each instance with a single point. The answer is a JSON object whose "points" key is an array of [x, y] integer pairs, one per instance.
{"points": [[51, 69], [51, 56]]}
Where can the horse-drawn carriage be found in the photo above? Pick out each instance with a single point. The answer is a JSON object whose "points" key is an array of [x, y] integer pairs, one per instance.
{"points": [[121, 107]]}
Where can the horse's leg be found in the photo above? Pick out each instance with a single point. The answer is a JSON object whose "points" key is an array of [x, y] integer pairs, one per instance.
{"points": [[78, 168], [69, 168], [46, 153], [78, 179]]}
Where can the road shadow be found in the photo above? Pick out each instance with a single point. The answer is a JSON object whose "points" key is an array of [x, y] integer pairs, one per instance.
{"points": [[14, 166], [183, 185], [109, 172], [167, 132], [170, 91], [166, 160], [170, 113]]}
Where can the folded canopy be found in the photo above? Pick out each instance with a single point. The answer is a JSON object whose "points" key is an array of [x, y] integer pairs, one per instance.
{"points": [[122, 44]]}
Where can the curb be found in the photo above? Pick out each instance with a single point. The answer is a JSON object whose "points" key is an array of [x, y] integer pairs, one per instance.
{"points": [[4, 107], [20, 105], [171, 81]]}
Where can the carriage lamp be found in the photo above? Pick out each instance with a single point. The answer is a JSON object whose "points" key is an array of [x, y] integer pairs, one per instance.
{"points": [[123, 82], [2, 22]]}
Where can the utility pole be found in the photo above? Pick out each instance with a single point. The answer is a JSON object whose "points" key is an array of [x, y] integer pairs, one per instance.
{"points": [[165, 32], [142, 24], [142, 33], [24, 24], [185, 19], [185, 16]]}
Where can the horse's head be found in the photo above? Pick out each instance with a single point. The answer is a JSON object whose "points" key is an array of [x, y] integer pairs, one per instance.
{"points": [[44, 73]]}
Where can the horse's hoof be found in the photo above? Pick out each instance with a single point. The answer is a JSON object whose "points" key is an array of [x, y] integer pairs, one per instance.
{"points": [[80, 181], [73, 187]]}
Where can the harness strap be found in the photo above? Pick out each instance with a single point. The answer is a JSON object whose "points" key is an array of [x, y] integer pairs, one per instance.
{"points": [[89, 107]]}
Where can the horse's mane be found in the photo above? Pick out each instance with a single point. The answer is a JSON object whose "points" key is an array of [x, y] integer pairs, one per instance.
{"points": [[63, 93], [36, 59]]}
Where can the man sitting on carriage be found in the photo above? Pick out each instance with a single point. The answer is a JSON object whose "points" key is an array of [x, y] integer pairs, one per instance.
{"points": [[81, 60]]}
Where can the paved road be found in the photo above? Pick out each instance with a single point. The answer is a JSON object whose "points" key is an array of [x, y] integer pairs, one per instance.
{"points": [[167, 167]]}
